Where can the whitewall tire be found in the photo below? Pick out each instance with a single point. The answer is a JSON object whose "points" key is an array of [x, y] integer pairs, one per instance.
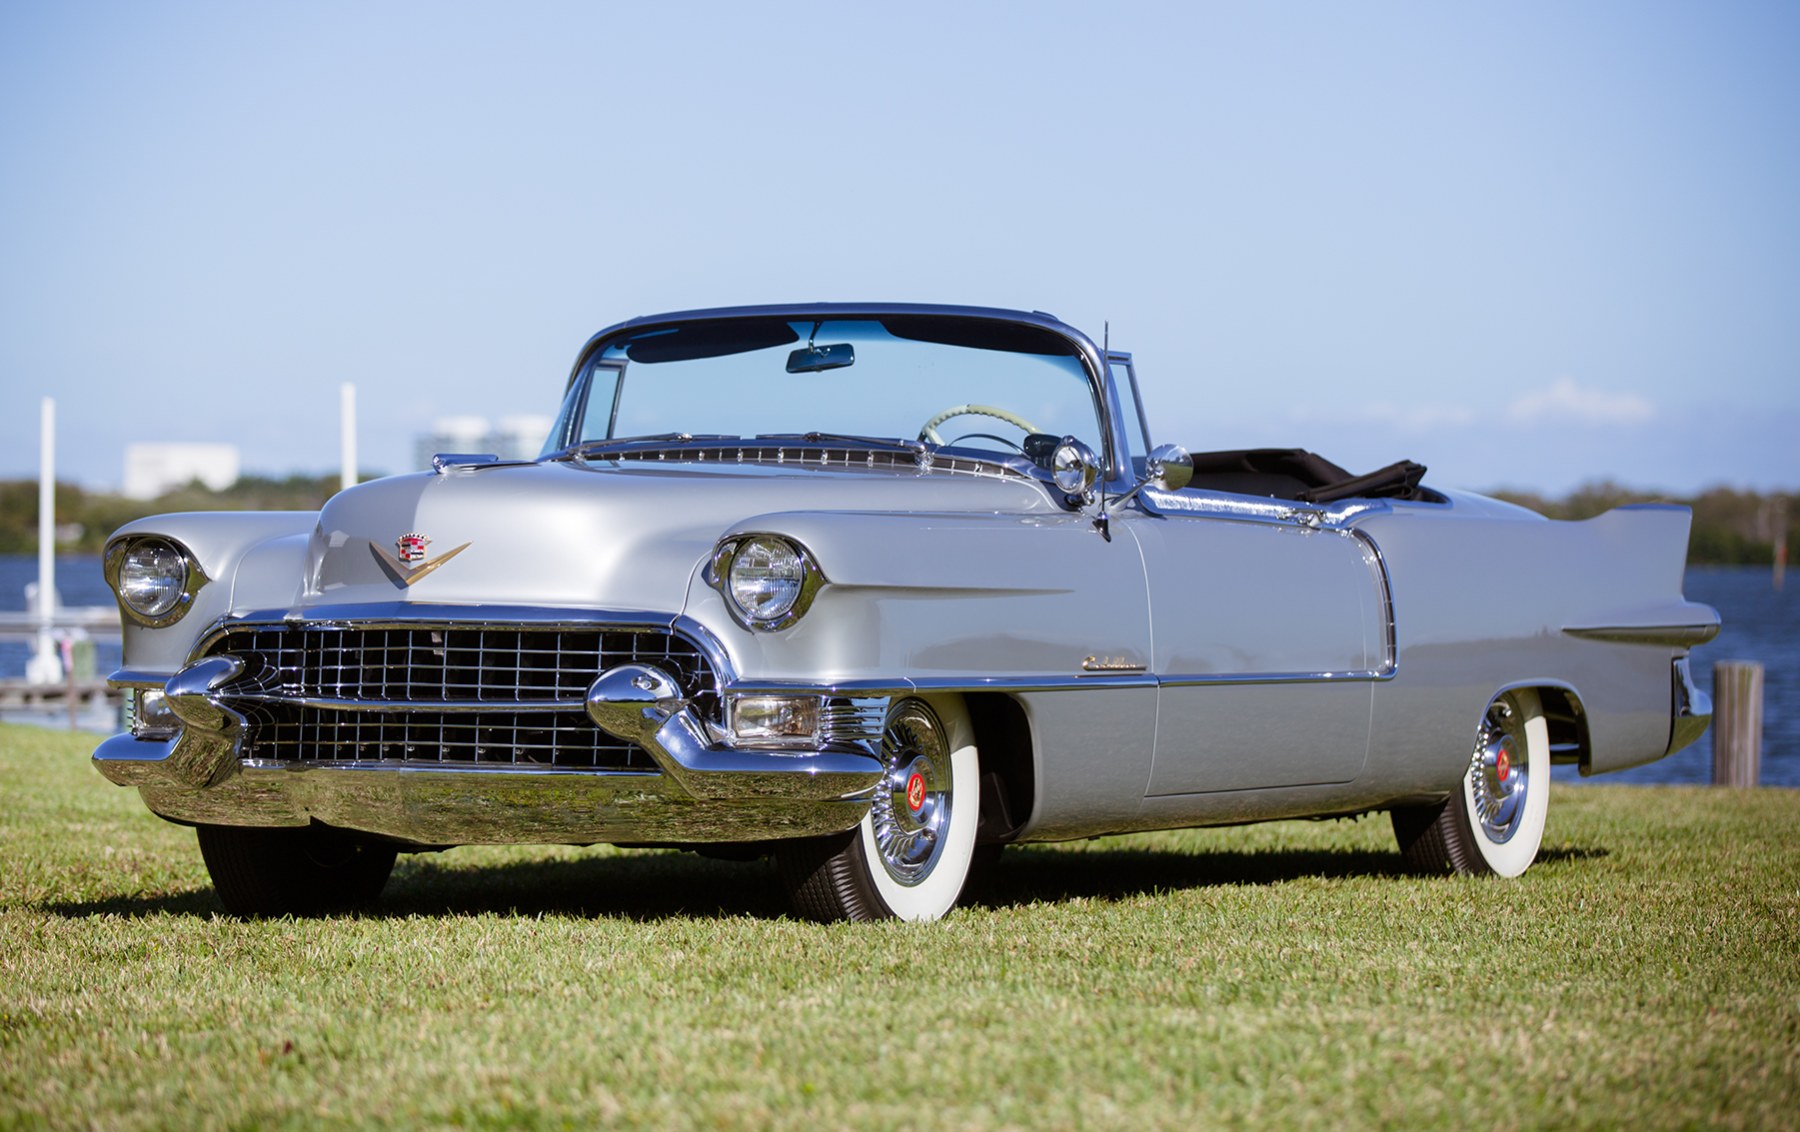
{"points": [[910, 856], [1494, 823]]}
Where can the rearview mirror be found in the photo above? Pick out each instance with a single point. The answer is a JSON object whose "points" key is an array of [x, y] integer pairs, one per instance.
{"points": [[812, 359]]}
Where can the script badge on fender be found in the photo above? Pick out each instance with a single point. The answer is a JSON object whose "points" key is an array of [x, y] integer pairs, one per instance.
{"points": [[411, 565]]}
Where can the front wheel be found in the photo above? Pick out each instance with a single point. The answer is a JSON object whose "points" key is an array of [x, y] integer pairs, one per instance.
{"points": [[910, 856], [1494, 823], [301, 872]]}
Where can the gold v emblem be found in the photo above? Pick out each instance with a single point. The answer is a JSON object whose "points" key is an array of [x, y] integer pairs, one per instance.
{"points": [[406, 573]]}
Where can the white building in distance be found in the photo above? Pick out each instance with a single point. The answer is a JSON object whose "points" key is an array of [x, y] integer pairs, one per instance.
{"points": [[153, 469], [514, 438]]}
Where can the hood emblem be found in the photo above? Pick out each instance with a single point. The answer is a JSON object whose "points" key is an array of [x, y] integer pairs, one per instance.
{"points": [[412, 564]]}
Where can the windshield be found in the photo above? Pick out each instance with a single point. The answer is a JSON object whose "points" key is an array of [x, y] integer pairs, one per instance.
{"points": [[980, 384]]}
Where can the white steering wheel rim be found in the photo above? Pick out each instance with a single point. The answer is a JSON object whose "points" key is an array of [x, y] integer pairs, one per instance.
{"points": [[930, 433]]}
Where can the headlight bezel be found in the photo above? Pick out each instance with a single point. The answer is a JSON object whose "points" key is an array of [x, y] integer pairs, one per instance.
{"points": [[729, 554], [118, 557]]}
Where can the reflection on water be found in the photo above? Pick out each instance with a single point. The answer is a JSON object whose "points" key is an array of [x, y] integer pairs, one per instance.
{"points": [[1760, 624]]}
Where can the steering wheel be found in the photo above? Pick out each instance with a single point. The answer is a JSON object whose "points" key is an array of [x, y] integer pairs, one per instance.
{"points": [[929, 431]]}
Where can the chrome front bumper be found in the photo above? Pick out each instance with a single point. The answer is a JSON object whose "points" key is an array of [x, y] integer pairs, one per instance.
{"points": [[702, 791]]}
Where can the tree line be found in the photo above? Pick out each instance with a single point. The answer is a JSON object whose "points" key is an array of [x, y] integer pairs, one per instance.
{"points": [[1731, 528]]}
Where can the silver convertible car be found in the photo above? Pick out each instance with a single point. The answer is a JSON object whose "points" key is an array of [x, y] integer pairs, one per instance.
{"points": [[877, 590]]}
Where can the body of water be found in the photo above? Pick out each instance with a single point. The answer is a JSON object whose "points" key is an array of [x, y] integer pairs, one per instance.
{"points": [[79, 581], [1761, 623]]}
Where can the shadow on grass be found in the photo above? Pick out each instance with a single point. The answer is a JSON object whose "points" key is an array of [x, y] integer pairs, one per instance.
{"points": [[670, 885]]}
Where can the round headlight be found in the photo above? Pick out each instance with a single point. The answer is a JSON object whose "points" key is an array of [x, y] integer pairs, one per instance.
{"points": [[766, 577], [152, 578]]}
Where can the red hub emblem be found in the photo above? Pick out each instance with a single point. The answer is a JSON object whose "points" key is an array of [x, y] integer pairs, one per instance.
{"points": [[1503, 764], [915, 792]]}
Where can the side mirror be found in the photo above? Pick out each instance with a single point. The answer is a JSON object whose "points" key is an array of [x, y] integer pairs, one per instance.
{"points": [[1168, 468]]}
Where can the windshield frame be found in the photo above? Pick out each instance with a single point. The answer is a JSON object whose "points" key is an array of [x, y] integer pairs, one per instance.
{"points": [[1117, 450]]}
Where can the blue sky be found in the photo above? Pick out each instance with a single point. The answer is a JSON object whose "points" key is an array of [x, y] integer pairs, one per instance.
{"points": [[1527, 244]]}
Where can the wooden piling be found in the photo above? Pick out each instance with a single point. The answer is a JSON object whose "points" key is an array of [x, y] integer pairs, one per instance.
{"points": [[1737, 722]]}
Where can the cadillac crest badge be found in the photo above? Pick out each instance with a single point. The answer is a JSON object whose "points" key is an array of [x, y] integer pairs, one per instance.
{"points": [[411, 564]]}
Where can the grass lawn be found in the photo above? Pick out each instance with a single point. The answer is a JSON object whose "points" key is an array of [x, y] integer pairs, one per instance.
{"points": [[1645, 973]]}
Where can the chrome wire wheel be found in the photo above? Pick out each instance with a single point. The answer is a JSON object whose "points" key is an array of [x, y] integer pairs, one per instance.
{"points": [[912, 808]]}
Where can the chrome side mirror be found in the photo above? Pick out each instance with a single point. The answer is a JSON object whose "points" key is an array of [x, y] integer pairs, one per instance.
{"points": [[1168, 468]]}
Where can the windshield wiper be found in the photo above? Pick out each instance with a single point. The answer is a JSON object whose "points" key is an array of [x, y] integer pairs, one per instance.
{"points": [[590, 447]]}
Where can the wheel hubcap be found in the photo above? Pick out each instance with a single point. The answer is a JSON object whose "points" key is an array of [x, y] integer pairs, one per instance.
{"points": [[1499, 776], [911, 810]]}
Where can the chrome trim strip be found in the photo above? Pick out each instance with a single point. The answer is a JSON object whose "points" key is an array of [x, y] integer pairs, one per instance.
{"points": [[426, 766], [1390, 660], [1197, 502], [1674, 636], [1015, 684], [400, 614], [445, 707], [1189, 681]]}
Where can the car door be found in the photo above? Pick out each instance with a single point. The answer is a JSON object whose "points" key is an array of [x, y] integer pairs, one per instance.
{"points": [[1270, 628]]}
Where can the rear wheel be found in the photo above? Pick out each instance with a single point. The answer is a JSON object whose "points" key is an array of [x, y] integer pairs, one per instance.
{"points": [[303, 872], [1494, 823], [910, 856]]}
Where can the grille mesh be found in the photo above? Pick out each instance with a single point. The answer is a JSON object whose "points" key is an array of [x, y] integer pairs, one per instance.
{"points": [[514, 673]]}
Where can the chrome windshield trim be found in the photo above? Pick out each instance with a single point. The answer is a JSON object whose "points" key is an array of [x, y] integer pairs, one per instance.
{"points": [[1115, 457]]}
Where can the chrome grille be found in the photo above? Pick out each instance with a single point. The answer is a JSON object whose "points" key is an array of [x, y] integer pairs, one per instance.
{"points": [[444, 693]]}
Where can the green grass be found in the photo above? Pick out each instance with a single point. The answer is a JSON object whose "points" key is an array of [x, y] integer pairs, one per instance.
{"points": [[1646, 972]]}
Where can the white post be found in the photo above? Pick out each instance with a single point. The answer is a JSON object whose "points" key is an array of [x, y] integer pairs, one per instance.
{"points": [[347, 428], [45, 665]]}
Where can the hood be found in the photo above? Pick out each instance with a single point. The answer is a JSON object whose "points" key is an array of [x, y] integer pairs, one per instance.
{"points": [[619, 536]]}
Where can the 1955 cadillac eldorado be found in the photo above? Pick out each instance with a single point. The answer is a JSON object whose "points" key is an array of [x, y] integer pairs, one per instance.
{"points": [[878, 589]]}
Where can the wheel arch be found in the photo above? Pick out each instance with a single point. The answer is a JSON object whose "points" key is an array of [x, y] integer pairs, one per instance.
{"points": [[1008, 775], [1565, 718]]}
